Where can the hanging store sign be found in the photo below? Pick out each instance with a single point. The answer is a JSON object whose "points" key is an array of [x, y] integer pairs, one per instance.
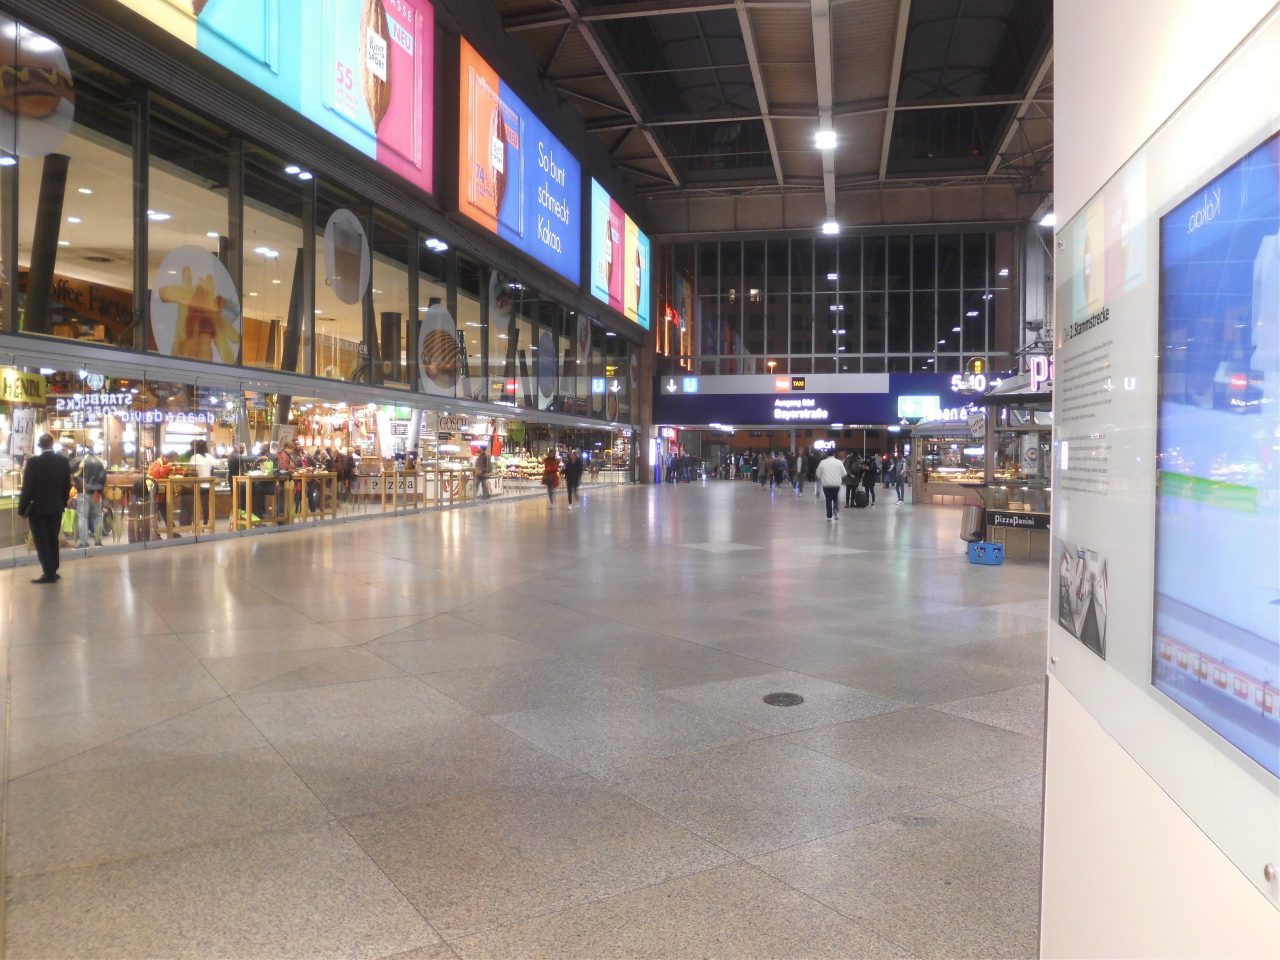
{"points": [[514, 178], [454, 424], [17, 386], [362, 69]]}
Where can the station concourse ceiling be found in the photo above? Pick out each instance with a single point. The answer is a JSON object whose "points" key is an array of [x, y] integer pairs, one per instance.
{"points": [[720, 100]]}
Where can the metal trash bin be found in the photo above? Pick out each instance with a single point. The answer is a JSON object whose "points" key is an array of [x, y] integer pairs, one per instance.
{"points": [[973, 524]]}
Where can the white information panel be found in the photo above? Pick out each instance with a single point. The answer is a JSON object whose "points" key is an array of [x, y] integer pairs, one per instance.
{"points": [[1166, 553]]}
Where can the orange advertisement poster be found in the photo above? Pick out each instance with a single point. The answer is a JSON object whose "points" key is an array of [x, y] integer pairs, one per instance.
{"points": [[481, 156]]}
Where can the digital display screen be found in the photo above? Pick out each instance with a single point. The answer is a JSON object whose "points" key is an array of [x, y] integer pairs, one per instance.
{"points": [[1216, 649], [925, 408], [514, 178], [362, 69], [620, 258]]}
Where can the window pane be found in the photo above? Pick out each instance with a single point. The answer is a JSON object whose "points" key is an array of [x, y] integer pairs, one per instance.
{"points": [[340, 351], [730, 270], [899, 322], [801, 325], [873, 365], [391, 245], [708, 269], [922, 275], [826, 322], [776, 325], [779, 266], [274, 327], [873, 264], [899, 263], [975, 261], [825, 264], [753, 282], [923, 338], [83, 265], [873, 321], [849, 364], [850, 266], [470, 319], [949, 260], [801, 266], [824, 365], [851, 322], [949, 321], [975, 324]]}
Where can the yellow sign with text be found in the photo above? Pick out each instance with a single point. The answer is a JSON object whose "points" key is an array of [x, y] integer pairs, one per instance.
{"points": [[17, 386]]}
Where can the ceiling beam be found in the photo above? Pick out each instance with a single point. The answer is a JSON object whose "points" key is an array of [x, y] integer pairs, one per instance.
{"points": [[753, 58], [627, 11], [1032, 89], [611, 70], [820, 19], [613, 107], [899, 44]]}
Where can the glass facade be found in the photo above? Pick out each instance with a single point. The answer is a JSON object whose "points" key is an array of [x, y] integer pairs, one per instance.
{"points": [[902, 303], [119, 185]]}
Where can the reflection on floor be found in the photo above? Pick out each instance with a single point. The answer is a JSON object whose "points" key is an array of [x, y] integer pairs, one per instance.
{"points": [[511, 732]]}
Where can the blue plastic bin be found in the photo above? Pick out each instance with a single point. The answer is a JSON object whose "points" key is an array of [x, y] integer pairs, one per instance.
{"points": [[990, 554]]}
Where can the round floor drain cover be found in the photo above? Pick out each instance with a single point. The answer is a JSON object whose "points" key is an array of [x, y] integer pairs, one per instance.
{"points": [[783, 699]]}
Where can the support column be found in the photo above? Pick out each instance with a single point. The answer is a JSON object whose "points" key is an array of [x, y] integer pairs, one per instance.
{"points": [[141, 198], [9, 245], [44, 244]]}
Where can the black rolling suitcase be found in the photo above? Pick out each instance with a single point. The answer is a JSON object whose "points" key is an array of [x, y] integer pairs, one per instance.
{"points": [[860, 498]]}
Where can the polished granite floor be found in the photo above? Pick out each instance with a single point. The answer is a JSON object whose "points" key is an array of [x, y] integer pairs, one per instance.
{"points": [[510, 732]]}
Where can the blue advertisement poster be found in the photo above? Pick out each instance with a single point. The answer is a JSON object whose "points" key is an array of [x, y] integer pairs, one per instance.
{"points": [[1216, 649], [516, 179]]}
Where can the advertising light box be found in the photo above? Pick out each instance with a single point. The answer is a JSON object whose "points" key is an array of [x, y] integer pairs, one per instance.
{"points": [[362, 69], [620, 258], [1217, 639], [515, 178]]}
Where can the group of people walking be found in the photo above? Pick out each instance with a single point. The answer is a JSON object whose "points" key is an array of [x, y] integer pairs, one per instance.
{"points": [[858, 477], [571, 469]]}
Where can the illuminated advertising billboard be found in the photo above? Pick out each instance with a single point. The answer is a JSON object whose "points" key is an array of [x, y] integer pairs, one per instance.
{"points": [[1217, 638], [515, 178], [362, 69], [620, 258]]}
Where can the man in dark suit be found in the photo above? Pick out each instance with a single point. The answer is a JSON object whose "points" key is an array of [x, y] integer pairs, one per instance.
{"points": [[46, 488]]}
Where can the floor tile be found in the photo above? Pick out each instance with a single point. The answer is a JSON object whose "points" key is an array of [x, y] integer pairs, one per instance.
{"points": [[434, 656], [525, 685], [1020, 802], [305, 894], [1020, 709], [595, 735], [87, 654], [944, 882], [936, 752], [477, 862], [362, 631], [743, 701], [37, 742], [246, 641], [218, 727], [83, 818], [733, 912], [378, 745], [107, 689], [754, 797]]}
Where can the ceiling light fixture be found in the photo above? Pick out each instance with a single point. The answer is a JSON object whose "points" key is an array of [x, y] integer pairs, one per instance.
{"points": [[73, 219], [825, 139], [292, 169], [85, 190], [833, 276], [1004, 271], [8, 161], [157, 215], [214, 234], [831, 228], [437, 245], [1049, 220], [304, 175]]}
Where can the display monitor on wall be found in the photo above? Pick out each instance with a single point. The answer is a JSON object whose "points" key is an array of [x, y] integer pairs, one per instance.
{"points": [[514, 177], [362, 69], [1217, 638], [620, 258]]}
